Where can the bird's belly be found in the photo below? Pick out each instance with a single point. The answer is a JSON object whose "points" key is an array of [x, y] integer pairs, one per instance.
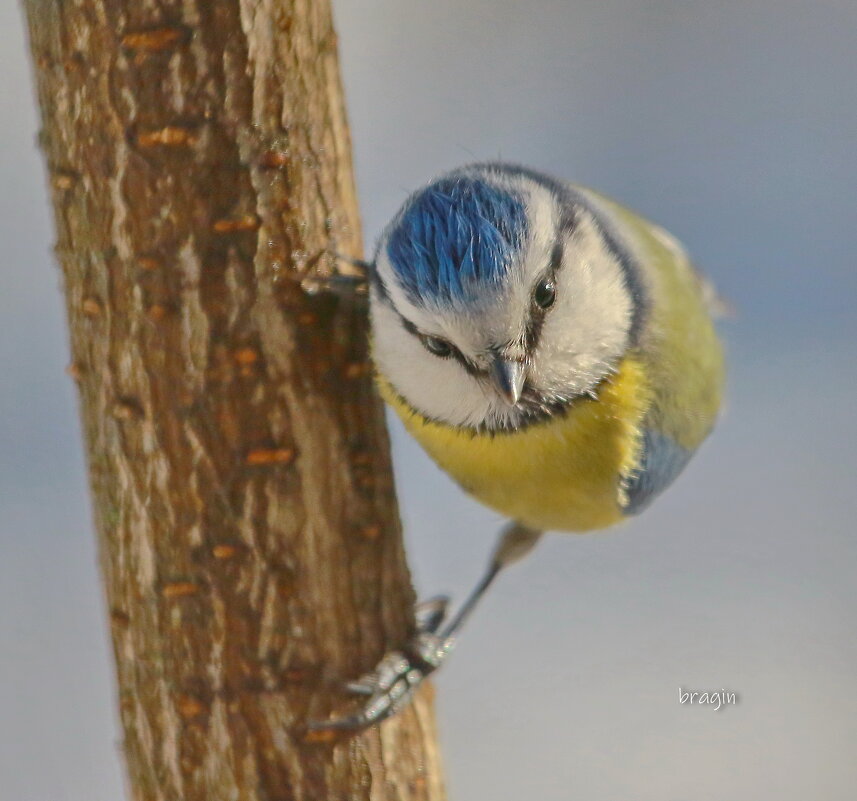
{"points": [[565, 473]]}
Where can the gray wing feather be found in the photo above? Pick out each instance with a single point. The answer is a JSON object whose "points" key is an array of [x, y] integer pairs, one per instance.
{"points": [[661, 461]]}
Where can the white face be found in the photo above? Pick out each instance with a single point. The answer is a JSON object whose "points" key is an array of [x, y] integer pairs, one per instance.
{"points": [[582, 335]]}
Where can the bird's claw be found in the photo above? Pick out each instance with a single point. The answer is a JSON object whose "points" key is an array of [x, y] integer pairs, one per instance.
{"points": [[344, 285], [397, 676], [392, 684], [431, 613]]}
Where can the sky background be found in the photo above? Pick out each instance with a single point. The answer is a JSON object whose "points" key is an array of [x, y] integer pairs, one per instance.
{"points": [[734, 125]]}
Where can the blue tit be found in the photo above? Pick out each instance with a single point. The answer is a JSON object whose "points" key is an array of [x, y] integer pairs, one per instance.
{"points": [[551, 350]]}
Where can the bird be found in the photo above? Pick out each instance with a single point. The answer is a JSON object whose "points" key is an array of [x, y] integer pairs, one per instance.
{"points": [[552, 351]]}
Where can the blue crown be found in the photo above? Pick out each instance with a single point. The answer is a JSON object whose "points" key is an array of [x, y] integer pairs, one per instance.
{"points": [[454, 237]]}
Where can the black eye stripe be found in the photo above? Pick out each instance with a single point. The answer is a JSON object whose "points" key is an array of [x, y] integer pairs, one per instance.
{"points": [[556, 256], [456, 354], [538, 311]]}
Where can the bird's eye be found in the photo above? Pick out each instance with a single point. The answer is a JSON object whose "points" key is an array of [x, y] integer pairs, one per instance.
{"points": [[544, 294], [439, 347]]}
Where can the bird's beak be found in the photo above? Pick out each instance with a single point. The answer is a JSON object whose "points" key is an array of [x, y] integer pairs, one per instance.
{"points": [[508, 377]]}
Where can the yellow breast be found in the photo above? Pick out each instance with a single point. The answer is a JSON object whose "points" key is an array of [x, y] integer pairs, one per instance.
{"points": [[564, 473]]}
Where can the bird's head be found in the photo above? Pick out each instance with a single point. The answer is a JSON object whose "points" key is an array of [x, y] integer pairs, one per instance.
{"points": [[498, 298]]}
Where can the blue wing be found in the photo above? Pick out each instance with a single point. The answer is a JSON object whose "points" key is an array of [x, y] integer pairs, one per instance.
{"points": [[661, 460]]}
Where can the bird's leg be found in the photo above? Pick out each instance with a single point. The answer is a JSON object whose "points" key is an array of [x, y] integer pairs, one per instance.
{"points": [[346, 286], [396, 677]]}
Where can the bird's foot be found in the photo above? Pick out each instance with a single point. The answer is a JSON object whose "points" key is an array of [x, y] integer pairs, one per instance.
{"points": [[395, 679], [346, 286], [392, 684]]}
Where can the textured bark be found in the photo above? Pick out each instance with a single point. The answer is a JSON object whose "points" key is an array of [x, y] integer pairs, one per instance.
{"points": [[199, 160]]}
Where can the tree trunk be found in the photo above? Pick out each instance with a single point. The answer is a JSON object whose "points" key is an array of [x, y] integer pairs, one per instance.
{"points": [[199, 159]]}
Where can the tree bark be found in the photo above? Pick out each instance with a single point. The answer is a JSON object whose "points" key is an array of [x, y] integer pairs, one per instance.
{"points": [[199, 159]]}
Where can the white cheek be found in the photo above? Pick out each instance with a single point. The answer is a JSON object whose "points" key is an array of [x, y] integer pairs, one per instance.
{"points": [[586, 333], [438, 388]]}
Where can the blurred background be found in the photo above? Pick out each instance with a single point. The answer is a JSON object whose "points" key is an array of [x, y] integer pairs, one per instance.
{"points": [[734, 125]]}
